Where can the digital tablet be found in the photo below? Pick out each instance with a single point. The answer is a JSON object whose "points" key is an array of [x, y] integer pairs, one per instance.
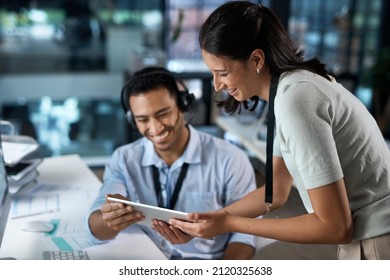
{"points": [[152, 212]]}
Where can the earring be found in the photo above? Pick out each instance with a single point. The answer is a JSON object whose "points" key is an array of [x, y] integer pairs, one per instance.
{"points": [[258, 70]]}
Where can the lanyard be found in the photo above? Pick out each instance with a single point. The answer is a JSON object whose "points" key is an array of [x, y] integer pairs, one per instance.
{"points": [[179, 183], [270, 145]]}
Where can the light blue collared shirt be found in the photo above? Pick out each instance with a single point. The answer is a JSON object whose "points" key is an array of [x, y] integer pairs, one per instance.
{"points": [[219, 173]]}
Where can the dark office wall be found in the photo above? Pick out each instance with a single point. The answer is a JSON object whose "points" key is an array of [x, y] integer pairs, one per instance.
{"points": [[384, 39], [282, 9]]}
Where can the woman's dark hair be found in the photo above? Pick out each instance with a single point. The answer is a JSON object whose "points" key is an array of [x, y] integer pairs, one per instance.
{"points": [[237, 28]]}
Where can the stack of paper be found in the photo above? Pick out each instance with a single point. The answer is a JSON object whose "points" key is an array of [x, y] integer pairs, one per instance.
{"points": [[20, 172], [16, 148], [22, 175]]}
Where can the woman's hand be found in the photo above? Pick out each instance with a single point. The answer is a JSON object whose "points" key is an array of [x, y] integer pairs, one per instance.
{"points": [[204, 225], [170, 233]]}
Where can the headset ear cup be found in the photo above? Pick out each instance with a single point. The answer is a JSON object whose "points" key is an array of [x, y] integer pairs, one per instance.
{"points": [[130, 119], [188, 100]]}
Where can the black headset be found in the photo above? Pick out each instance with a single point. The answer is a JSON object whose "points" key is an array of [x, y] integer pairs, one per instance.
{"points": [[185, 99]]}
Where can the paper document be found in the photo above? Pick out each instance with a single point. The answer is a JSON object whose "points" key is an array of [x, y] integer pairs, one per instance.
{"points": [[29, 205], [68, 235], [14, 151]]}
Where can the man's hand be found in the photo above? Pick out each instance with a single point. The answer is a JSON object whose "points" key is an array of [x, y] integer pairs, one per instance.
{"points": [[118, 216], [170, 233]]}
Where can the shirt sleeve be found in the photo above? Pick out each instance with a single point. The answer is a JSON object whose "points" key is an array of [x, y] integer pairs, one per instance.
{"points": [[113, 183], [304, 118], [277, 152]]}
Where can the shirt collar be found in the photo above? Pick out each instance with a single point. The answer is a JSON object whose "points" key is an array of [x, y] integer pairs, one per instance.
{"points": [[191, 155]]}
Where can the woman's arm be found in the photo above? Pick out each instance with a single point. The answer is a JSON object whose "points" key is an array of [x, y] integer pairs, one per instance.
{"points": [[253, 204], [330, 223]]}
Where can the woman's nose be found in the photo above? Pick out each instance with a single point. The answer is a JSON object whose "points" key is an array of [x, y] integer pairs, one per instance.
{"points": [[218, 85]]}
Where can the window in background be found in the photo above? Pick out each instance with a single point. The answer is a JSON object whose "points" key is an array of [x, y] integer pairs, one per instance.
{"points": [[350, 36], [184, 21], [74, 53], [343, 33], [62, 64], [76, 35]]}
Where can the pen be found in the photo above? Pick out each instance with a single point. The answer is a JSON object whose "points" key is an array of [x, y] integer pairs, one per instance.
{"points": [[32, 214]]}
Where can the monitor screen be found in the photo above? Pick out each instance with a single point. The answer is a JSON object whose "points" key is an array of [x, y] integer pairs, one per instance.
{"points": [[4, 195]]}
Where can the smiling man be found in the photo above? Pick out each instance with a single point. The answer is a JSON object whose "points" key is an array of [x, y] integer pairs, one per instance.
{"points": [[173, 166]]}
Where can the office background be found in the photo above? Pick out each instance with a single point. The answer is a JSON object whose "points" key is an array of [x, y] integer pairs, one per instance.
{"points": [[63, 62]]}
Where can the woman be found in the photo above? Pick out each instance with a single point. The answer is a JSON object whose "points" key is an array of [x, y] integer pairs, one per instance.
{"points": [[326, 142]]}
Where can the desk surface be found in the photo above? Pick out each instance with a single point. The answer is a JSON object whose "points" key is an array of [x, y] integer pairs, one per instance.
{"points": [[74, 186]]}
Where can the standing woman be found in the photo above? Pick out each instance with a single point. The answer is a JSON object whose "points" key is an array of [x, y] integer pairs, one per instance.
{"points": [[326, 142]]}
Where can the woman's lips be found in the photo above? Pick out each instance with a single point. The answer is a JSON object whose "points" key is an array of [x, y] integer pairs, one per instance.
{"points": [[232, 92]]}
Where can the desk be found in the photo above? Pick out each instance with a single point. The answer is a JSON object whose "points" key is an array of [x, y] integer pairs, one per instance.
{"points": [[76, 186], [246, 133]]}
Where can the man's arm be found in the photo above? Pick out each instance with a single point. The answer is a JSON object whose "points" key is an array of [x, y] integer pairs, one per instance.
{"points": [[99, 228], [238, 251], [112, 218]]}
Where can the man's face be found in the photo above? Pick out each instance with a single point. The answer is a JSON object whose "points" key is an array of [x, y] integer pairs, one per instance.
{"points": [[158, 118]]}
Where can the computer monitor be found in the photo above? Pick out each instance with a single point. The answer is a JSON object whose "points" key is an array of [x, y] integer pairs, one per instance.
{"points": [[5, 197]]}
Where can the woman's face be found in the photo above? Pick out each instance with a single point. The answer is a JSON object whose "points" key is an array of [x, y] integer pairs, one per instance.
{"points": [[237, 78]]}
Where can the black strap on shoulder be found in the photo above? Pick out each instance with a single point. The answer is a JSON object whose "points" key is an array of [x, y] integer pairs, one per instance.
{"points": [[270, 144], [178, 186]]}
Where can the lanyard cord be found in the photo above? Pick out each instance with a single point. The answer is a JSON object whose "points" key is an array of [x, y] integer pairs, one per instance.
{"points": [[270, 145], [179, 183]]}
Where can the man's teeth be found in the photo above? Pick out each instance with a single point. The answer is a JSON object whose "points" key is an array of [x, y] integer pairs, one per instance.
{"points": [[162, 136]]}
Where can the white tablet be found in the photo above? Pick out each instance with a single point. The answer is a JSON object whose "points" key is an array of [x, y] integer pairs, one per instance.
{"points": [[152, 212]]}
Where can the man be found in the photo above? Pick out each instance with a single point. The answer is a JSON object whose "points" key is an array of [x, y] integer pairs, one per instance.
{"points": [[147, 171]]}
